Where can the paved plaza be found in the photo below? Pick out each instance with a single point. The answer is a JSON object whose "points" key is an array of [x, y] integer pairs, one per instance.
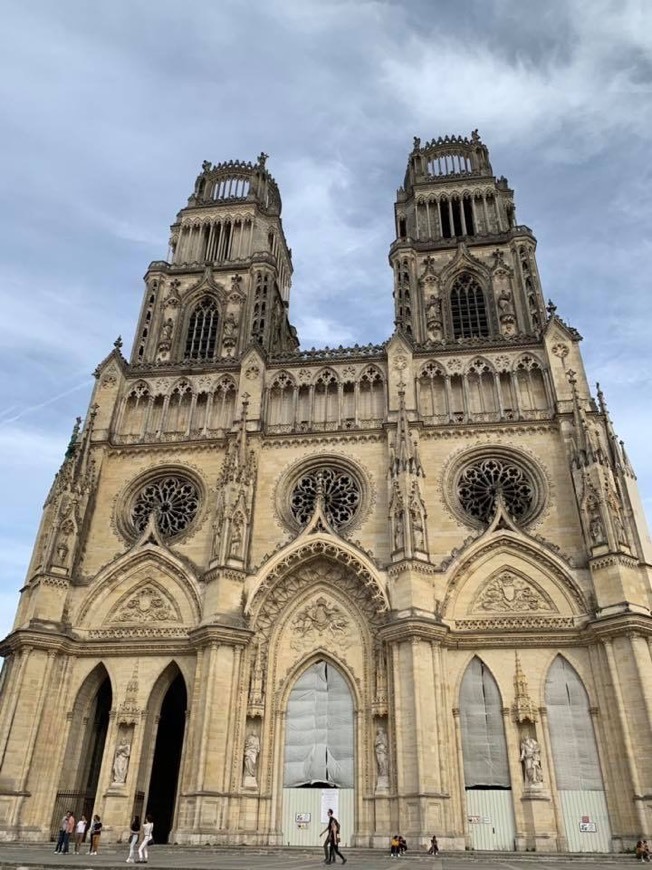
{"points": [[16, 856]]}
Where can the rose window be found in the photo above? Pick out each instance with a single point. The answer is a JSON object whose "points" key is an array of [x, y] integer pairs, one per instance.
{"points": [[173, 499], [340, 491], [480, 483]]}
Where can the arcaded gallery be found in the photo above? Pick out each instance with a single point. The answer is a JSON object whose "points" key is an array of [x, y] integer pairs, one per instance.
{"points": [[409, 581]]}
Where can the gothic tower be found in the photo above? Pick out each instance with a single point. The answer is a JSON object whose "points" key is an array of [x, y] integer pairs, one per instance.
{"points": [[439, 538]]}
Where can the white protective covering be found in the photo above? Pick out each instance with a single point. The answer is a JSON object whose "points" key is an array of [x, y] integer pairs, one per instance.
{"points": [[571, 730], [319, 730], [483, 733]]}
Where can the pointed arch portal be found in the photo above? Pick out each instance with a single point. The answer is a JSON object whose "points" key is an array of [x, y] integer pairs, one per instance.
{"points": [[489, 803], [85, 748], [319, 757], [162, 791], [576, 761]]}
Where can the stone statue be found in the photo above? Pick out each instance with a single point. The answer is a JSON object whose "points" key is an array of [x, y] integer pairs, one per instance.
{"points": [[382, 753], [505, 302], [235, 549], [596, 529], [531, 759], [417, 528], [251, 753], [398, 532], [121, 762], [166, 332]]}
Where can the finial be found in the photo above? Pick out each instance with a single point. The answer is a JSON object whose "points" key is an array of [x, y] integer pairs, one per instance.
{"points": [[118, 342], [551, 308], [70, 449], [262, 159]]}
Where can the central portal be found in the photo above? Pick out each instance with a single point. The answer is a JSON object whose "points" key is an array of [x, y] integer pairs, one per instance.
{"points": [[318, 769]]}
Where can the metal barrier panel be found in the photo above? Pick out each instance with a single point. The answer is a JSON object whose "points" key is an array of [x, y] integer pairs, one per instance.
{"points": [[586, 820], [302, 814], [490, 814]]}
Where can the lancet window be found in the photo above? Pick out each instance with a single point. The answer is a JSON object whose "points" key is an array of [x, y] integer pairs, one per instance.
{"points": [[468, 308], [201, 337]]}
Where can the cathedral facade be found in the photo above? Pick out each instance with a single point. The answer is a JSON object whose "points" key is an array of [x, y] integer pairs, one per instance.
{"points": [[407, 581]]}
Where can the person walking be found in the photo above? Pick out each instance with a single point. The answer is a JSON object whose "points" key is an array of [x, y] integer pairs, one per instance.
{"points": [[80, 830], [148, 831], [96, 830], [68, 833], [334, 839], [434, 846], [63, 828], [134, 833]]}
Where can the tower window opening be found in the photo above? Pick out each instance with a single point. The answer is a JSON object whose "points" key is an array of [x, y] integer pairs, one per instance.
{"points": [[468, 308], [457, 218], [467, 205], [445, 219], [201, 339], [402, 228]]}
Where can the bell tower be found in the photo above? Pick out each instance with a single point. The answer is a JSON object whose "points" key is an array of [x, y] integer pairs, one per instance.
{"points": [[227, 281], [451, 203]]}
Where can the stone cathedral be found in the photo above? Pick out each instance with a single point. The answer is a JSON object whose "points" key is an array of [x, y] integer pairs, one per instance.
{"points": [[407, 581]]}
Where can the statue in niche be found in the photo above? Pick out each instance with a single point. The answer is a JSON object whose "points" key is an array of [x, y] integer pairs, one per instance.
{"points": [[398, 532], [251, 753], [596, 529], [531, 760], [505, 303], [434, 318], [166, 331], [619, 526], [417, 527], [382, 753], [229, 333], [235, 550], [121, 761]]}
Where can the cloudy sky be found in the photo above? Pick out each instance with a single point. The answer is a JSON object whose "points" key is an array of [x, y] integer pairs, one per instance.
{"points": [[109, 108]]}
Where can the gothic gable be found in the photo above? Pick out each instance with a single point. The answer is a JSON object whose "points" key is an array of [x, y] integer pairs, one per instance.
{"points": [[526, 587], [146, 590]]}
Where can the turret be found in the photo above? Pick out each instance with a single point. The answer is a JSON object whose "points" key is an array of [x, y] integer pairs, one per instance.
{"points": [[463, 269], [227, 282]]}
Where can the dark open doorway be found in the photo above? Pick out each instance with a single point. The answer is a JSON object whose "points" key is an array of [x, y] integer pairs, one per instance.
{"points": [[167, 758]]}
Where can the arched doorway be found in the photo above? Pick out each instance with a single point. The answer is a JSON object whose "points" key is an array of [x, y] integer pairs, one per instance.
{"points": [[162, 791], [577, 766], [318, 763], [487, 783], [85, 748]]}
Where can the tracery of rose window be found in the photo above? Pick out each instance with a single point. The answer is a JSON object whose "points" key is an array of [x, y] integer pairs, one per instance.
{"points": [[173, 499], [480, 483], [340, 491]]}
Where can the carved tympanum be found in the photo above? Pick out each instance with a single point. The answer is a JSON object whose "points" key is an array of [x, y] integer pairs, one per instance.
{"points": [[508, 592], [147, 604], [319, 621]]}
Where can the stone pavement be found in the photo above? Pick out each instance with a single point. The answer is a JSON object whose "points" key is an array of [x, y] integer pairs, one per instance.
{"points": [[15, 856]]}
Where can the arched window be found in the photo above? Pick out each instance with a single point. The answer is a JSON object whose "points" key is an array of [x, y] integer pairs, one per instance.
{"points": [[201, 338], [468, 308]]}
